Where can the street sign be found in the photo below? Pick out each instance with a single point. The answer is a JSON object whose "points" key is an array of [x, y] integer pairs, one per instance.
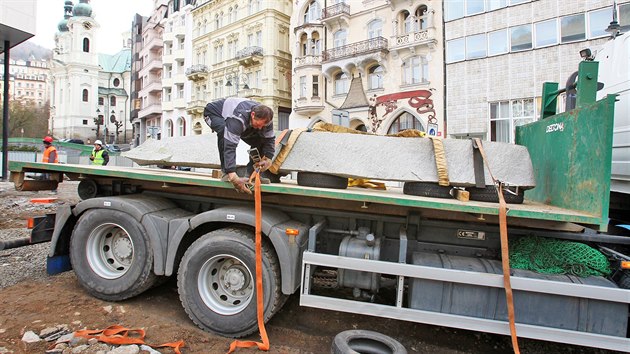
{"points": [[432, 129]]}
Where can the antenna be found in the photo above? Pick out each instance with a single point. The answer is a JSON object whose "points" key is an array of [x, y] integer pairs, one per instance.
{"points": [[614, 28]]}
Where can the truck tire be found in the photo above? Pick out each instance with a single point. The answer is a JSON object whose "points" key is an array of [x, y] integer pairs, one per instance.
{"points": [[489, 194], [87, 189], [111, 255], [369, 342], [426, 189], [216, 282], [322, 180]]}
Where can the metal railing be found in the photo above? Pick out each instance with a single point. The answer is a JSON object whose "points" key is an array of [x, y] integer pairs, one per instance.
{"points": [[308, 60], [337, 9], [364, 47], [197, 68], [249, 51]]}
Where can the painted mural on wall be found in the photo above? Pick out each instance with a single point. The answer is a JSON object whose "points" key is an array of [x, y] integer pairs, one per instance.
{"points": [[420, 100]]}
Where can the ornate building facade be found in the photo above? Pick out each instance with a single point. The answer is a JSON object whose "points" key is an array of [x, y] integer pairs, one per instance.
{"points": [[240, 48], [375, 65]]}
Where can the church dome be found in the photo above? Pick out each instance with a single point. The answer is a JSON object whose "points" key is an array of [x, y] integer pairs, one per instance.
{"points": [[63, 25], [83, 8]]}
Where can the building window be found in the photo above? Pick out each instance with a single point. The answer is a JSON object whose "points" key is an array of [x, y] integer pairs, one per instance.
{"points": [[521, 38], [180, 91], [116, 82], [85, 122], [598, 21], [375, 29], [112, 101], [169, 128], [505, 116], [302, 86], [101, 101], [476, 46], [312, 12], [546, 33], [497, 42], [495, 4], [455, 50], [339, 38], [315, 86], [181, 126], [86, 45], [415, 71], [454, 9], [341, 83], [405, 121], [624, 17], [474, 7], [235, 13], [572, 28], [375, 77], [85, 95]]}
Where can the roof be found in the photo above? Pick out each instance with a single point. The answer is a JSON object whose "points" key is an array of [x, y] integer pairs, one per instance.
{"points": [[117, 63], [356, 95], [111, 91]]}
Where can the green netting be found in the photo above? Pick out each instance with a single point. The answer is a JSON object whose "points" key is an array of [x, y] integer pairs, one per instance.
{"points": [[552, 256]]}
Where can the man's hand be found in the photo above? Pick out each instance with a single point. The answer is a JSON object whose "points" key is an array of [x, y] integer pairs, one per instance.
{"points": [[240, 184], [263, 164]]}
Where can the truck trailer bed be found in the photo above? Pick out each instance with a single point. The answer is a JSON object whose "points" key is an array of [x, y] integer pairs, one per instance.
{"points": [[381, 201]]}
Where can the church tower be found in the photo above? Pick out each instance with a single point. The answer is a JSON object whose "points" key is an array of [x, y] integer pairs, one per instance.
{"points": [[75, 73]]}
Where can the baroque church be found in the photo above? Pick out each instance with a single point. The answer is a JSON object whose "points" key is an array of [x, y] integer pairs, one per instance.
{"points": [[90, 91]]}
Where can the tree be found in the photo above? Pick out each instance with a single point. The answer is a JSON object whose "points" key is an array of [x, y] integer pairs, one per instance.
{"points": [[25, 114]]}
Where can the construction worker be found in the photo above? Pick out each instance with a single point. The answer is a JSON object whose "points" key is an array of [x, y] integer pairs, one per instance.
{"points": [[99, 155], [50, 152], [235, 119], [50, 156]]}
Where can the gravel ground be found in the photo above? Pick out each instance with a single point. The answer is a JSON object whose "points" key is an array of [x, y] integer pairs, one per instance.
{"points": [[21, 263]]}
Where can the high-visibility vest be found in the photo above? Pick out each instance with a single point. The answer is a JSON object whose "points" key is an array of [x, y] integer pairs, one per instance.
{"points": [[47, 152], [98, 157]]}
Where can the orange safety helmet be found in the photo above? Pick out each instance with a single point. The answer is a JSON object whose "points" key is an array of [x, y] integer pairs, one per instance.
{"points": [[48, 140]]}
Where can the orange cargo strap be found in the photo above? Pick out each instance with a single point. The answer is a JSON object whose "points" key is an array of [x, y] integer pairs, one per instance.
{"points": [[505, 254], [259, 285], [120, 335]]}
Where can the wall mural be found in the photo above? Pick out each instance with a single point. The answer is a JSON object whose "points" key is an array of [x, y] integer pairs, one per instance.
{"points": [[418, 99]]}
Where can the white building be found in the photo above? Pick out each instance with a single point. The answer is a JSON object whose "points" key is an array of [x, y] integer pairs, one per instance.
{"points": [[89, 90], [500, 52]]}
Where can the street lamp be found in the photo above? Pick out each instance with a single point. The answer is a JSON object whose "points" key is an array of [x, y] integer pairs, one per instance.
{"points": [[237, 79]]}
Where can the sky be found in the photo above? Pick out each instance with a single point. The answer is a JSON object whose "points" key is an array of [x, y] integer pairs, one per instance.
{"points": [[114, 17]]}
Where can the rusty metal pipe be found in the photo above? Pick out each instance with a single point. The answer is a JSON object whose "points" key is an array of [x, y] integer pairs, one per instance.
{"points": [[8, 244]]}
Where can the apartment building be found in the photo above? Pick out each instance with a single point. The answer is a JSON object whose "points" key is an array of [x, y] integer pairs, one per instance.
{"points": [[137, 26], [150, 74], [499, 53], [374, 65], [241, 48], [29, 80], [176, 58]]}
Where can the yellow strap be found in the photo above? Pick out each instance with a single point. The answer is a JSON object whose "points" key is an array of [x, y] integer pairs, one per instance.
{"points": [[440, 161], [365, 183], [285, 150]]}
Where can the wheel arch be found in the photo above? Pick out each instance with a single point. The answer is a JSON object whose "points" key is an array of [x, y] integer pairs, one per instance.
{"points": [[274, 222], [140, 207]]}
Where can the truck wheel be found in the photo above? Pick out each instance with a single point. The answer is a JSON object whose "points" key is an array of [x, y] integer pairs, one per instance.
{"points": [[426, 189], [111, 255], [362, 341], [489, 194], [87, 189], [322, 180], [216, 282]]}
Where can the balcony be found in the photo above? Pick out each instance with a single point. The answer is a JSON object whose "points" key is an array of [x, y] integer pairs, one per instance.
{"points": [[154, 44], [153, 86], [197, 72], [338, 14], [195, 107], [154, 65], [251, 92], [249, 56], [413, 41], [151, 110], [308, 60], [308, 106], [374, 45]]}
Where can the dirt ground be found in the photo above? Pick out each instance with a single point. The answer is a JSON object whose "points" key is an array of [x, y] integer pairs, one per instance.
{"points": [[44, 301]]}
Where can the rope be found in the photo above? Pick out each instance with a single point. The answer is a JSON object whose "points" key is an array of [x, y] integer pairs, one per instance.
{"points": [[264, 345]]}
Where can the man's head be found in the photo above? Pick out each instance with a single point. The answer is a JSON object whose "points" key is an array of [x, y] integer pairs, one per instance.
{"points": [[47, 140], [98, 144], [261, 116]]}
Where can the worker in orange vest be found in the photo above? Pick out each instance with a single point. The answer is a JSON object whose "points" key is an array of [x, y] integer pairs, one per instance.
{"points": [[50, 156]]}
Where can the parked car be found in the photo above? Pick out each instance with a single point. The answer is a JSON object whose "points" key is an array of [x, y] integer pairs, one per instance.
{"points": [[75, 141], [113, 148]]}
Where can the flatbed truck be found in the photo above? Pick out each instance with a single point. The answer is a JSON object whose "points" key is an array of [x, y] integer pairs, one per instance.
{"points": [[373, 252]]}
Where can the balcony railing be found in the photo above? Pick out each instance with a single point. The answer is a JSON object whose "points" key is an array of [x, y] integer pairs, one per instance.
{"points": [[364, 47], [251, 92], [196, 106], [426, 36], [337, 9], [308, 60], [197, 72], [249, 55]]}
